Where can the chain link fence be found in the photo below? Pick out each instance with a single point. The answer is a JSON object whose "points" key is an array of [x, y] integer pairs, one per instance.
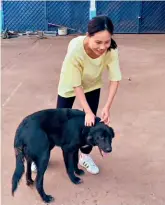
{"points": [[152, 17], [127, 16], [72, 14], [24, 15]]}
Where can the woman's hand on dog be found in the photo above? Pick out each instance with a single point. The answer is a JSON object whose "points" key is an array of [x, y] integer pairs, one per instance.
{"points": [[105, 116], [89, 119]]}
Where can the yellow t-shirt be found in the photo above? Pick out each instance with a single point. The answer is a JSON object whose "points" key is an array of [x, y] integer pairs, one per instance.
{"points": [[78, 69]]}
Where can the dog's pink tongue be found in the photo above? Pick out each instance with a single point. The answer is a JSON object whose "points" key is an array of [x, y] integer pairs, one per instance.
{"points": [[104, 154]]}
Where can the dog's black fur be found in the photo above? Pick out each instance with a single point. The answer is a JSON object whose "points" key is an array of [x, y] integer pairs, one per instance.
{"points": [[39, 132]]}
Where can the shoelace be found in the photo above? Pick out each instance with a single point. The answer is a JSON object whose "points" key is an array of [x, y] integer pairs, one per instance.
{"points": [[90, 162]]}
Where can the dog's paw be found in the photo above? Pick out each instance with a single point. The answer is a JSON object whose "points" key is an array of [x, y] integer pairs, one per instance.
{"points": [[29, 182], [77, 180], [79, 172], [48, 198]]}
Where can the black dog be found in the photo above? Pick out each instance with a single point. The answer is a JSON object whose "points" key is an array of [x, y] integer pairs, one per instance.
{"points": [[39, 132]]}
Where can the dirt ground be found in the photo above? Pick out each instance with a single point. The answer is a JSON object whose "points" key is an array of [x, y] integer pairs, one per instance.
{"points": [[134, 173]]}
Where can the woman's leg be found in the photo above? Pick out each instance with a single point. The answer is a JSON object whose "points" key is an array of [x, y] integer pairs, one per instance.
{"points": [[85, 159], [93, 98], [65, 102]]}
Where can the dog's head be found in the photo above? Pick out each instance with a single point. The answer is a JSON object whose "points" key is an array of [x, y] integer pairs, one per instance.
{"points": [[100, 135]]}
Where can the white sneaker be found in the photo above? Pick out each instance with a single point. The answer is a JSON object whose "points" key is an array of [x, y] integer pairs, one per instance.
{"points": [[33, 167], [87, 162]]}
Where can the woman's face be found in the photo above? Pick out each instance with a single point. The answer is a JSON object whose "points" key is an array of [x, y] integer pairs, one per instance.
{"points": [[99, 42]]}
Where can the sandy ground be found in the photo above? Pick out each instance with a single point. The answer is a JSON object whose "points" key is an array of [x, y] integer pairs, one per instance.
{"points": [[134, 173]]}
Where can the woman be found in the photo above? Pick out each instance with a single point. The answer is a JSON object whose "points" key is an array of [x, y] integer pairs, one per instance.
{"points": [[85, 61], [86, 58]]}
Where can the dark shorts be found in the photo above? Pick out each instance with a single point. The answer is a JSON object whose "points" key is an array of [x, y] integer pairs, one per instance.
{"points": [[91, 97]]}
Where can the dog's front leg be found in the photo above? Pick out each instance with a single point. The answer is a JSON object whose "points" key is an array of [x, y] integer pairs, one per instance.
{"points": [[69, 164], [75, 161]]}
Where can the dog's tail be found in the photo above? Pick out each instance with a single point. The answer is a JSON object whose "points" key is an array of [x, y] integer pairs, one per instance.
{"points": [[19, 170]]}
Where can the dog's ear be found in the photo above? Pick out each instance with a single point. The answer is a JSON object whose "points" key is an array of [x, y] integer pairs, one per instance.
{"points": [[97, 120], [111, 131]]}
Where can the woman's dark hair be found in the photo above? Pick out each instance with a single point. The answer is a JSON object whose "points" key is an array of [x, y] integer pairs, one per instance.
{"points": [[101, 23]]}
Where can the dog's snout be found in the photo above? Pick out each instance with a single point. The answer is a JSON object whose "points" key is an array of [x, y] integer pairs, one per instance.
{"points": [[108, 149]]}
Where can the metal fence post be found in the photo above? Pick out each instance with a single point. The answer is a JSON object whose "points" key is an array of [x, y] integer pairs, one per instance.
{"points": [[140, 16], [45, 14], [92, 10], [1, 18]]}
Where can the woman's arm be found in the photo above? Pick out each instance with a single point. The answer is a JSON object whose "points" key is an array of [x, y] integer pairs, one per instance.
{"points": [[113, 86], [82, 99], [90, 117], [114, 78]]}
